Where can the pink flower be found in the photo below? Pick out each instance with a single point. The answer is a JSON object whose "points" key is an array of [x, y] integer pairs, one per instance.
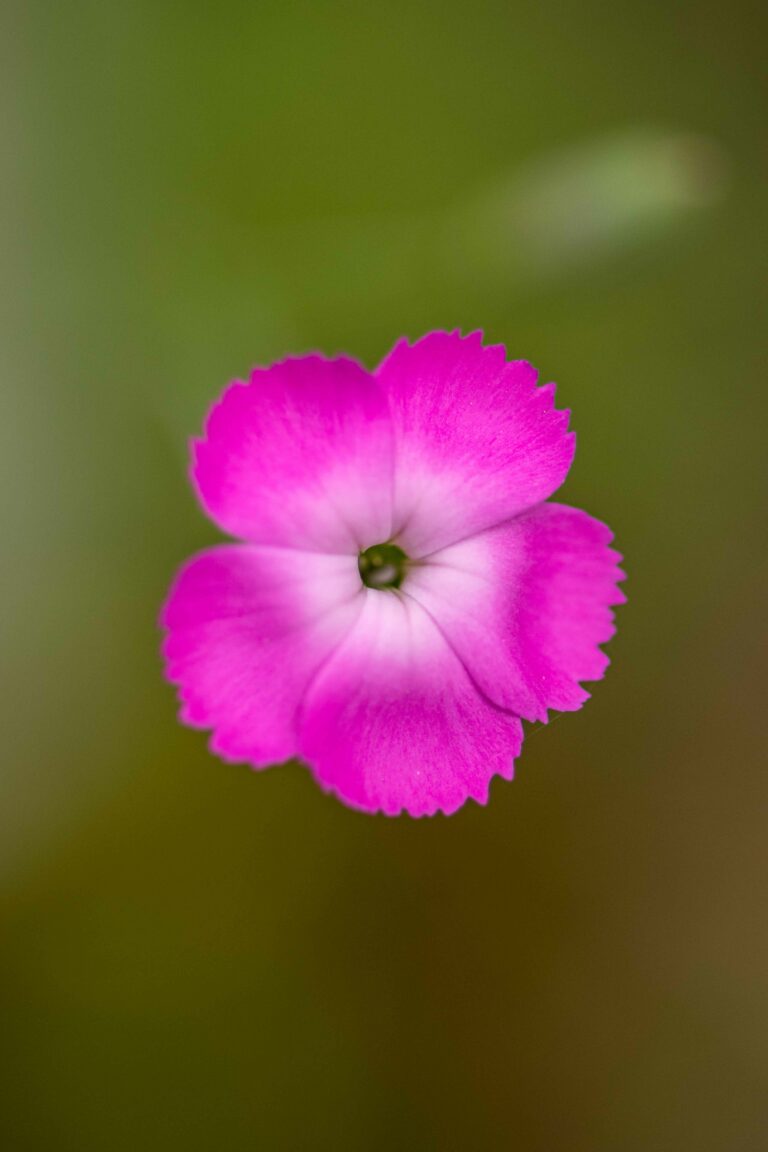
{"points": [[401, 597]]}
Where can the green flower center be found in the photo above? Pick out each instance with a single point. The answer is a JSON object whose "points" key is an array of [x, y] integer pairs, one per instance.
{"points": [[382, 566]]}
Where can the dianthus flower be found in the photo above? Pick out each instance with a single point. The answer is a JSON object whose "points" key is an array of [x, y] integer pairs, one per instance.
{"points": [[401, 596]]}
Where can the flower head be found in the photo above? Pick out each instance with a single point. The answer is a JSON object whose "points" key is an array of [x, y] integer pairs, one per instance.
{"points": [[401, 597]]}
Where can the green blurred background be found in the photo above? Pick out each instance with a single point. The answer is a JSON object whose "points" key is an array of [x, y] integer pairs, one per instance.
{"points": [[197, 957]]}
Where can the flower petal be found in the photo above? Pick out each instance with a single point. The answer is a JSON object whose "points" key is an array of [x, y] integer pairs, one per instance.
{"points": [[247, 629], [476, 441], [301, 456], [525, 606], [393, 722]]}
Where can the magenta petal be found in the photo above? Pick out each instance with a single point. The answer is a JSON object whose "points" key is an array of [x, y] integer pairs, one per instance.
{"points": [[247, 629], [476, 440], [393, 722], [526, 605], [301, 456]]}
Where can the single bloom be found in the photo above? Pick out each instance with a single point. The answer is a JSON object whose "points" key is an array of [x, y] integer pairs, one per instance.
{"points": [[400, 597]]}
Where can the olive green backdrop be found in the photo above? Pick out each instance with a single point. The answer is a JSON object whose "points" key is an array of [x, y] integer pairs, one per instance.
{"points": [[197, 957]]}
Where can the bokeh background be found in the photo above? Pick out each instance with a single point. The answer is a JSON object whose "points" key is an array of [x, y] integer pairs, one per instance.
{"points": [[197, 957]]}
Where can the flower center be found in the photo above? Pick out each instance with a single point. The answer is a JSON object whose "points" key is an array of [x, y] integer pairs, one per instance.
{"points": [[382, 566]]}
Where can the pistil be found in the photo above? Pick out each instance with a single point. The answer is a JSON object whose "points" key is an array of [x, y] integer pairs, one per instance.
{"points": [[382, 566]]}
